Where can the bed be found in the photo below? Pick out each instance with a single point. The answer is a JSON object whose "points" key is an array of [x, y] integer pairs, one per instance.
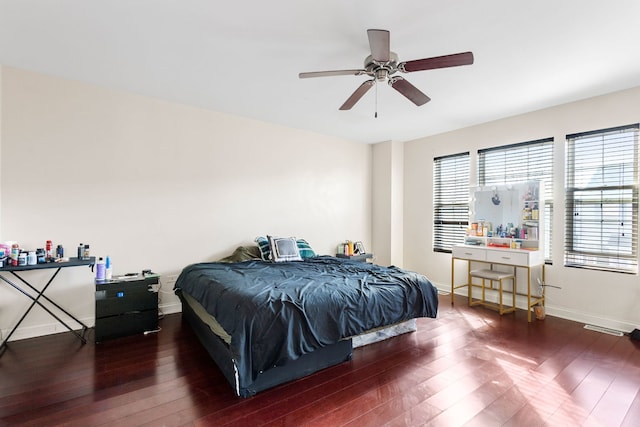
{"points": [[265, 323]]}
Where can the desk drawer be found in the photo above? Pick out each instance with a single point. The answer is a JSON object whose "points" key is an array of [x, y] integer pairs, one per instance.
{"points": [[508, 257], [467, 252]]}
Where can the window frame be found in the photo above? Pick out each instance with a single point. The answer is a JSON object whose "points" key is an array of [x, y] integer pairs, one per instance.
{"points": [[542, 172], [450, 210], [590, 214]]}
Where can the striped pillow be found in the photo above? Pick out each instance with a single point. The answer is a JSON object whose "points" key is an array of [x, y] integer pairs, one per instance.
{"points": [[305, 249], [265, 249]]}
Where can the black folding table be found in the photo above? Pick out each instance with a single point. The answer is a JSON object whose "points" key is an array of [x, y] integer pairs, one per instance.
{"points": [[39, 293]]}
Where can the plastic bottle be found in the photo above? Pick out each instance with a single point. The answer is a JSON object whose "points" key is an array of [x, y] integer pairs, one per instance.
{"points": [[15, 251], [85, 254], [108, 272], [22, 258], [100, 269], [80, 251], [49, 249], [59, 252], [41, 256], [31, 258]]}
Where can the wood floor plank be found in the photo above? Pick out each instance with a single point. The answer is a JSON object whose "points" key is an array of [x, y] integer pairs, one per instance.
{"points": [[470, 366], [632, 416]]}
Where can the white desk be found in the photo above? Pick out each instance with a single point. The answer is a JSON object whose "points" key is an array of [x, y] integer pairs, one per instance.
{"points": [[519, 258]]}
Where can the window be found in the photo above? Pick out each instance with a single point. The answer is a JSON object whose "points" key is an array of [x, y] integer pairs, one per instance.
{"points": [[521, 162], [602, 200], [450, 200]]}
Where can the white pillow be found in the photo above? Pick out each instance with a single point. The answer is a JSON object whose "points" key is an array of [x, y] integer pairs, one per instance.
{"points": [[284, 249]]}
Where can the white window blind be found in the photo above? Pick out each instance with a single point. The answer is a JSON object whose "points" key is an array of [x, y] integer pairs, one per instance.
{"points": [[525, 161], [602, 200], [450, 200]]}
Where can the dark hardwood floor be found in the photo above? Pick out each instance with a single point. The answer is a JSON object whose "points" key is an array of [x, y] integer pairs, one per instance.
{"points": [[468, 367]]}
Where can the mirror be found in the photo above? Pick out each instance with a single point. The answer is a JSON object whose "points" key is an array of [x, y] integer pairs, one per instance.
{"points": [[498, 206]]}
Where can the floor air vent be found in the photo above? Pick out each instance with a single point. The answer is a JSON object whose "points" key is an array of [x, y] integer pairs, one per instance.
{"points": [[604, 330]]}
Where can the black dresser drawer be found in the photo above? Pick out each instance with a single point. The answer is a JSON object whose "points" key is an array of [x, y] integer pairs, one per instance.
{"points": [[126, 307], [126, 324], [122, 300]]}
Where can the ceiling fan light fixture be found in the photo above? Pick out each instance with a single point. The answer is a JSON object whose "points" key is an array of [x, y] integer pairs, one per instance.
{"points": [[381, 74]]}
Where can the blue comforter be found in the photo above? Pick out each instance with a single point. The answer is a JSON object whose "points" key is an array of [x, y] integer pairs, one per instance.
{"points": [[277, 312]]}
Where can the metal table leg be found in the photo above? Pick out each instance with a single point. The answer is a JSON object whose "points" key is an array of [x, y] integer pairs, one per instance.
{"points": [[36, 300]]}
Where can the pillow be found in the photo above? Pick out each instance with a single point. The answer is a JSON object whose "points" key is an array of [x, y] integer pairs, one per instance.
{"points": [[305, 249], [284, 249], [265, 249], [243, 253]]}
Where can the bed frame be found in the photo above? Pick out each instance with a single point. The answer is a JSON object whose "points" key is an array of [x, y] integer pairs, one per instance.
{"points": [[303, 366]]}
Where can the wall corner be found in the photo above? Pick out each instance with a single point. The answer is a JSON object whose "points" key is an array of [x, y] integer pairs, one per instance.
{"points": [[388, 202]]}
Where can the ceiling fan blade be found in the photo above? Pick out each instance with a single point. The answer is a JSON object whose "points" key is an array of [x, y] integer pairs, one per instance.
{"points": [[455, 60], [379, 44], [359, 93], [408, 90], [331, 73]]}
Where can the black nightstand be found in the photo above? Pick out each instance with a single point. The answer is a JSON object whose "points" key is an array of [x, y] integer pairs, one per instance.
{"points": [[126, 306], [358, 257]]}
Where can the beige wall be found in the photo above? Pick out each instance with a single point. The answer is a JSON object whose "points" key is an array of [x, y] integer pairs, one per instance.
{"points": [[1, 153], [159, 185], [388, 203], [606, 299]]}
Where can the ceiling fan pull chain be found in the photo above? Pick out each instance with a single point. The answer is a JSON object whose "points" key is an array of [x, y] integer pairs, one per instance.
{"points": [[376, 112]]}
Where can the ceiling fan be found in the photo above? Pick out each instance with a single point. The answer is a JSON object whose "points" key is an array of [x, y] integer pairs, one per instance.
{"points": [[382, 64]]}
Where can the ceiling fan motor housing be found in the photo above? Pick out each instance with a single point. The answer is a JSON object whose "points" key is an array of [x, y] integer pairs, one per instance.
{"points": [[381, 70]]}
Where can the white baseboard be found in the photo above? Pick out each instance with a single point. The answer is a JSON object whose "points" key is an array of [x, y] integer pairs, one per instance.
{"points": [[55, 328], [26, 332], [551, 310], [590, 320], [170, 308]]}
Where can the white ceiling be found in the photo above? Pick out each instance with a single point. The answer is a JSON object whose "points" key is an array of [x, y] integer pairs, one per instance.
{"points": [[243, 58]]}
